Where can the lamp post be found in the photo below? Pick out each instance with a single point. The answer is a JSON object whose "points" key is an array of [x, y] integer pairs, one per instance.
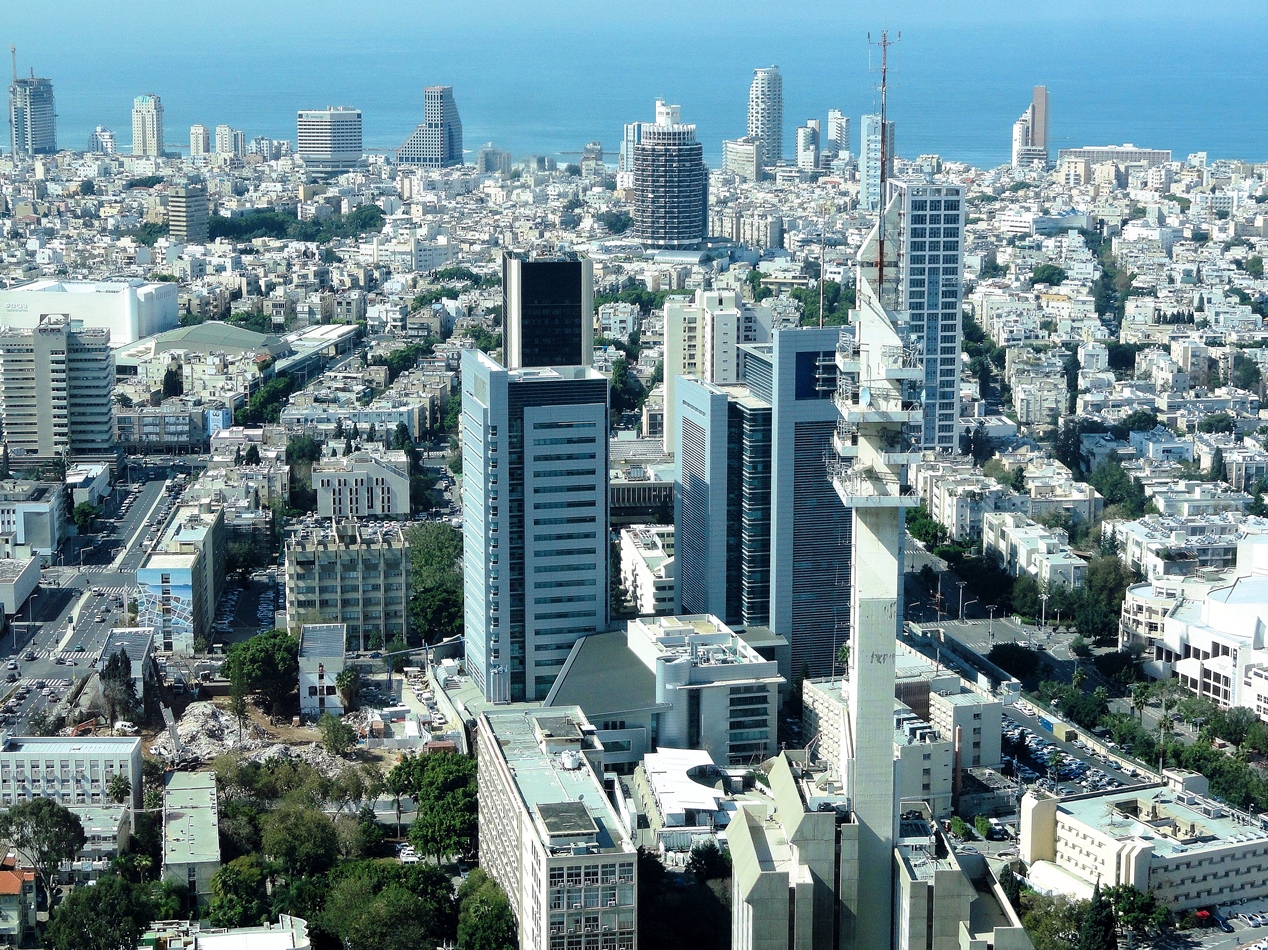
{"points": [[961, 584], [1043, 622], [991, 628]]}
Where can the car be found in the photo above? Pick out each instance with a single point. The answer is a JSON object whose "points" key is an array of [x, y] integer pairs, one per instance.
{"points": [[376, 655], [463, 869], [79, 648], [11, 678], [409, 858], [13, 664]]}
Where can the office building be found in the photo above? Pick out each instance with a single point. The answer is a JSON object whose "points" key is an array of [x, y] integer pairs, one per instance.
{"points": [[102, 141], [671, 183], [321, 660], [329, 139], [872, 147], [32, 117], [808, 146], [352, 573], [199, 141], [56, 384], [437, 142], [191, 833], [230, 142], [71, 771], [187, 214], [147, 126], [549, 833], [32, 519], [548, 310], [766, 114], [742, 158], [702, 338], [130, 308], [924, 262], [838, 136], [493, 161], [363, 485], [180, 579], [648, 571], [1119, 154], [1030, 132], [535, 520]]}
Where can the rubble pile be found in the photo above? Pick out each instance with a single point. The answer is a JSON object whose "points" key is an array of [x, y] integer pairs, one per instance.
{"points": [[207, 731], [314, 754]]}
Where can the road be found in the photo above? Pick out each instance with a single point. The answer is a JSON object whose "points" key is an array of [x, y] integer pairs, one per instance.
{"points": [[109, 566]]}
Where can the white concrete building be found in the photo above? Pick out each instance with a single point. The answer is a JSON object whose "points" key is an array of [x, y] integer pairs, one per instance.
{"points": [[1020, 546], [363, 485], [647, 568], [73, 771], [147, 126], [321, 660], [129, 308], [191, 832], [32, 518], [329, 138]]}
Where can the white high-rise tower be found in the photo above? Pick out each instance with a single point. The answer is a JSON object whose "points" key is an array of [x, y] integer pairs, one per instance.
{"points": [[147, 126], [766, 114], [1030, 132], [872, 153]]}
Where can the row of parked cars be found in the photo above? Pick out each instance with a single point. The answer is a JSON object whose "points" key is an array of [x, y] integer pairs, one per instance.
{"points": [[1061, 766]]}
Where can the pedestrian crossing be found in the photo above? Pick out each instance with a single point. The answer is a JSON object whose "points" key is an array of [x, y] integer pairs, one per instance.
{"points": [[117, 591], [51, 653]]}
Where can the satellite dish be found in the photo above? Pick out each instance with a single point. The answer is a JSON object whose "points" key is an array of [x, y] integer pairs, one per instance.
{"points": [[865, 397]]}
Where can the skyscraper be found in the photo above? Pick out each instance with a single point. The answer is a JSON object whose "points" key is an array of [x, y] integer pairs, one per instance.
{"points": [[230, 141], [32, 117], [329, 139], [1030, 132], [838, 131], [437, 142], [548, 310], [631, 135], [56, 382], [870, 149], [766, 113], [535, 520], [671, 183], [808, 145], [147, 126], [102, 141], [199, 141], [187, 214], [742, 158]]}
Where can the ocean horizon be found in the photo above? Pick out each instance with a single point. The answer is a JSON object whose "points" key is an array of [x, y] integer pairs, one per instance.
{"points": [[546, 79]]}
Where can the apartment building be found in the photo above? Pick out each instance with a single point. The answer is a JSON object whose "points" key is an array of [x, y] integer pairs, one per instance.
{"points": [[363, 485], [647, 568], [356, 574], [1020, 546], [1210, 540], [550, 834], [180, 579], [72, 771]]}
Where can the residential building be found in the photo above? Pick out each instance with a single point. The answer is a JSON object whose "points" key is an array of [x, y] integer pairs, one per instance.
{"points": [[437, 142], [1169, 839], [56, 384], [671, 183], [766, 116], [72, 771], [742, 158], [548, 310], [1118, 154], [102, 141], [32, 518], [838, 137], [631, 135], [107, 830], [808, 146], [353, 573], [1149, 543], [618, 320], [1030, 132], [492, 161], [32, 117], [230, 142], [648, 572], [535, 520], [1021, 546], [191, 833], [289, 933], [329, 139], [17, 902], [187, 214], [200, 141], [130, 308], [179, 580], [321, 660], [874, 151], [147, 126], [972, 723], [703, 334], [363, 485], [549, 833]]}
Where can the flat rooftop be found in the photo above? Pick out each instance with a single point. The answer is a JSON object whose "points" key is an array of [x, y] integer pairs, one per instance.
{"points": [[322, 639], [81, 745], [12, 568], [191, 827], [554, 793]]}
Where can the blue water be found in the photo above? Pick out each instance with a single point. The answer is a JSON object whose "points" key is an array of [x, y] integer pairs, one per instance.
{"points": [[538, 77]]}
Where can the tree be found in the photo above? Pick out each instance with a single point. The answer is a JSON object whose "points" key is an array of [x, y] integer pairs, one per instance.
{"points": [[119, 788], [85, 514], [252, 456], [302, 840], [1099, 931], [1233, 725], [239, 893], [1048, 274], [1217, 465], [485, 921], [269, 662], [45, 833], [336, 735], [111, 915], [443, 785], [348, 684], [1010, 886], [708, 861], [174, 381], [401, 437], [1246, 373], [238, 707], [436, 607], [118, 690], [1255, 267], [1216, 422]]}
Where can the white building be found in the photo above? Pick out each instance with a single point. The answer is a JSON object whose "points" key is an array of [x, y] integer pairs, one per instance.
{"points": [[130, 308], [329, 138], [32, 518], [766, 115], [1021, 546], [147, 126], [363, 485], [72, 771], [870, 149], [647, 568], [199, 141], [321, 660], [549, 834], [191, 832]]}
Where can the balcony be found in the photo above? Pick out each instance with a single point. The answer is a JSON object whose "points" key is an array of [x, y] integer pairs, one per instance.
{"points": [[845, 440], [883, 408], [899, 362], [848, 356], [866, 487]]}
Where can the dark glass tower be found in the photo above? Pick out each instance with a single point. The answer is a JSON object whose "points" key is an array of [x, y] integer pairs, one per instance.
{"points": [[548, 311]]}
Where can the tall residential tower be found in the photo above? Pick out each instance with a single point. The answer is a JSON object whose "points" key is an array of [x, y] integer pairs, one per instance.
{"points": [[1030, 132], [32, 117], [671, 183], [871, 150], [766, 114], [147, 126]]}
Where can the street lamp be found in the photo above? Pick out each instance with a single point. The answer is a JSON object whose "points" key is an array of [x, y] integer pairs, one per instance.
{"points": [[960, 584], [991, 629], [1043, 622]]}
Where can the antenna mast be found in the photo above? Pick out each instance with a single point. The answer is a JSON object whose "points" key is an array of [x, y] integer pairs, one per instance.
{"points": [[884, 44], [13, 53]]}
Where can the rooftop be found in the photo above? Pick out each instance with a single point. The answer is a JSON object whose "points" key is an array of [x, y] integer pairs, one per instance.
{"points": [[11, 568], [191, 832], [322, 639], [81, 745]]}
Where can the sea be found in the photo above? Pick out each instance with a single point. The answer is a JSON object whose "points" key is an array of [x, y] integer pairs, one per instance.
{"points": [[545, 78]]}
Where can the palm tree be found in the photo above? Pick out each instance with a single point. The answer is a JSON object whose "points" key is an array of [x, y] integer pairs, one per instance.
{"points": [[1141, 693], [1080, 674]]}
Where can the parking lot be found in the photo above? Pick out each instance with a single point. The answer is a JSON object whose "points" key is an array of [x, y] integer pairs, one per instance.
{"points": [[1068, 768], [249, 608]]}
